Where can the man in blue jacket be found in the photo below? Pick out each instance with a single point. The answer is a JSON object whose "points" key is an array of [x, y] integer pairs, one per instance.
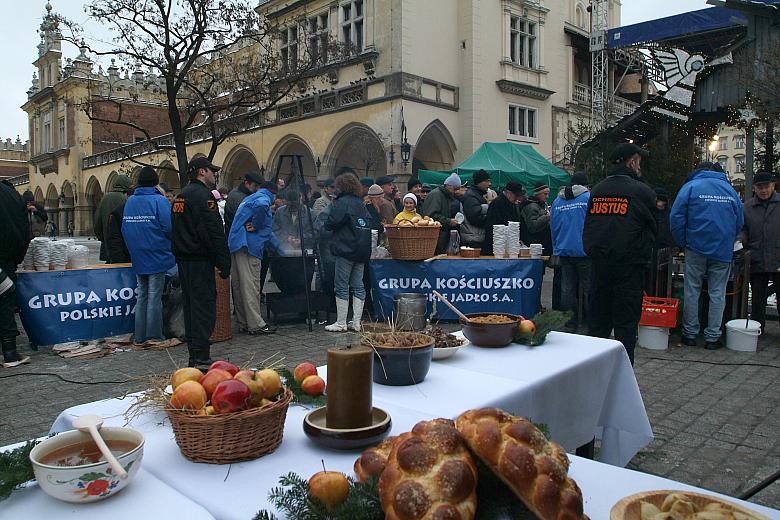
{"points": [[705, 219], [146, 228], [567, 220], [250, 234]]}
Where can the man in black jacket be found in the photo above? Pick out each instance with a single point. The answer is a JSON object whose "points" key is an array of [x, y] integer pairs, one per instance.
{"points": [[199, 245], [116, 248], [506, 208], [472, 231], [14, 238], [619, 234]]}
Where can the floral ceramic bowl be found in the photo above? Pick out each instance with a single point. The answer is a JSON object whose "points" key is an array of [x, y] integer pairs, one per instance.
{"points": [[87, 482]]}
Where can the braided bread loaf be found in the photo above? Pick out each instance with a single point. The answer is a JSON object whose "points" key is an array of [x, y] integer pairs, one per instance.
{"points": [[371, 462], [534, 468], [430, 475]]}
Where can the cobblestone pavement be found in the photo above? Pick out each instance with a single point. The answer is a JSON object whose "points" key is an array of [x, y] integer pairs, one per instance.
{"points": [[716, 415]]}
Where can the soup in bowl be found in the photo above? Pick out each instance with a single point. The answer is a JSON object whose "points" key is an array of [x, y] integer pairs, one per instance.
{"points": [[70, 467]]}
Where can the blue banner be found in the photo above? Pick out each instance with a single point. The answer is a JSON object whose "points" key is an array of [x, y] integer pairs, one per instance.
{"points": [[509, 286], [79, 304]]}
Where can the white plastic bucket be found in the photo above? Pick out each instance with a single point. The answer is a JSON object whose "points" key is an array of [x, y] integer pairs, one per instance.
{"points": [[742, 335], [653, 338]]}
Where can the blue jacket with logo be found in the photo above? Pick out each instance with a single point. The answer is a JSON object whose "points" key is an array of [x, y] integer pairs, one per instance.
{"points": [[567, 219], [146, 228], [707, 215], [256, 209]]}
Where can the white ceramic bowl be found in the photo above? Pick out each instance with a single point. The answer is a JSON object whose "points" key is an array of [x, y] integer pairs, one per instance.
{"points": [[89, 482], [447, 352]]}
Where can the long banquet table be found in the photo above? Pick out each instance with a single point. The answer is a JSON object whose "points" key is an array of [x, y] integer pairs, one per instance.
{"points": [[239, 491], [577, 385]]}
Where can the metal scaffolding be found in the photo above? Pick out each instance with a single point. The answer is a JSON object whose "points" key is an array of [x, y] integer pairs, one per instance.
{"points": [[600, 64]]}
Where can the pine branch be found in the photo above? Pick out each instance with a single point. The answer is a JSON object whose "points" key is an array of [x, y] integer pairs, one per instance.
{"points": [[299, 396], [15, 469]]}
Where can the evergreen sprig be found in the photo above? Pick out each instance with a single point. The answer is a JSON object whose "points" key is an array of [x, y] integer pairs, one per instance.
{"points": [[15, 468], [299, 396], [545, 322], [293, 501]]}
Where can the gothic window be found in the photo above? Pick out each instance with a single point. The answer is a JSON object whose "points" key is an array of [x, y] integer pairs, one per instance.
{"points": [[739, 142], [61, 142], [289, 48], [318, 39], [352, 25]]}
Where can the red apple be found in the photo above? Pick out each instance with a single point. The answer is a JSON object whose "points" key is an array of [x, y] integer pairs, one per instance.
{"points": [[329, 487], [190, 395], [185, 374], [230, 396], [244, 373], [527, 327], [272, 383], [304, 370], [313, 385], [212, 378], [225, 365]]}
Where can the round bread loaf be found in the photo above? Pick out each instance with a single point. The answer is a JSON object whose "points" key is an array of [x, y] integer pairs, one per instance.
{"points": [[534, 468], [429, 475]]}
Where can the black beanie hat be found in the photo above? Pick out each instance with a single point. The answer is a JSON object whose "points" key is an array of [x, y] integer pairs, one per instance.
{"points": [[480, 176], [147, 177], [579, 178], [28, 196]]}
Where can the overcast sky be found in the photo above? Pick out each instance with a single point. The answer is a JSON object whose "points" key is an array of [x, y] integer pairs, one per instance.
{"points": [[19, 38]]}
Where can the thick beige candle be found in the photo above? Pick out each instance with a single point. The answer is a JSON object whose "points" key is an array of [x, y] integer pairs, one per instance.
{"points": [[349, 387]]}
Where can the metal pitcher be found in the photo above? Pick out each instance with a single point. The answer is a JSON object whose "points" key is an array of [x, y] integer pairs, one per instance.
{"points": [[410, 311]]}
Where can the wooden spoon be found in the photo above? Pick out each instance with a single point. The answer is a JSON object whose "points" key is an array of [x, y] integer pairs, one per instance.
{"points": [[91, 424], [451, 306]]}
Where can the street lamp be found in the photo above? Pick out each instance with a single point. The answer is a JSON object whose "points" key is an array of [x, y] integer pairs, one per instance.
{"points": [[406, 152]]}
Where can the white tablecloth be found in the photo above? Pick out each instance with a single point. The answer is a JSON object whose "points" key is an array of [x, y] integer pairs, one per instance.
{"points": [[145, 496], [578, 385], [240, 490]]}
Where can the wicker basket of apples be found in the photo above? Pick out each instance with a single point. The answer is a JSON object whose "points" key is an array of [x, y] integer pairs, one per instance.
{"points": [[413, 239], [227, 415]]}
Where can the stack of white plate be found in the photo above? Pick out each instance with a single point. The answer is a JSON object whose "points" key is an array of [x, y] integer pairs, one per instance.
{"points": [[58, 255], [536, 250], [41, 255], [513, 239], [27, 263], [78, 257], [499, 240]]}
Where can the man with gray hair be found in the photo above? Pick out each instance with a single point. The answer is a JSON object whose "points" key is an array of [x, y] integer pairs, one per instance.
{"points": [[438, 206]]}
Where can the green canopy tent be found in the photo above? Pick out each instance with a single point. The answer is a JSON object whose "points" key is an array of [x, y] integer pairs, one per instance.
{"points": [[504, 162]]}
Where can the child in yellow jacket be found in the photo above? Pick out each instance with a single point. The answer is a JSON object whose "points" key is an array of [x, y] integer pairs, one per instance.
{"points": [[410, 209]]}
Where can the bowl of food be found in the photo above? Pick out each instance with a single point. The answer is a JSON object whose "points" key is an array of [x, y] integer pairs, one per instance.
{"points": [[685, 505], [490, 329], [400, 358], [70, 467], [445, 345]]}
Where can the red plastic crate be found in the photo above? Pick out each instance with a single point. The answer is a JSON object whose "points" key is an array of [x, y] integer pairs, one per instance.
{"points": [[659, 312]]}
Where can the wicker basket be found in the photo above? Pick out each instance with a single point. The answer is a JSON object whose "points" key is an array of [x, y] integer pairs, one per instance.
{"points": [[223, 326], [470, 253], [412, 243], [233, 437]]}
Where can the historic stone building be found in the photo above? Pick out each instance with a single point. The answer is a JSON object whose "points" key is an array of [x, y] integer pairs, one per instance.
{"points": [[13, 159], [433, 79]]}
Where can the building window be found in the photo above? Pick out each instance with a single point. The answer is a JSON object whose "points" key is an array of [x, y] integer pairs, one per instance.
{"points": [[522, 122], [724, 162], [318, 39], [289, 48], [739, 164], [352, 25], [47, 137], [723, 144], [61, 142], [522, 42], [739, 142]]}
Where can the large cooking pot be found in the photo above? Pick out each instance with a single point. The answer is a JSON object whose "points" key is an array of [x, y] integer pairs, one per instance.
{"points": [[287, 272]]}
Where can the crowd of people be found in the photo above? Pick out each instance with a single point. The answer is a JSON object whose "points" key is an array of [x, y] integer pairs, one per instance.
{"points": [[600, 241]]}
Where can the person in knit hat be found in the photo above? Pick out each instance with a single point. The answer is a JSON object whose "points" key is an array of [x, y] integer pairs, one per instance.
{"points": [[381, 206], [438, 206], [146, 228], [410, 209], [475, 208]]}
